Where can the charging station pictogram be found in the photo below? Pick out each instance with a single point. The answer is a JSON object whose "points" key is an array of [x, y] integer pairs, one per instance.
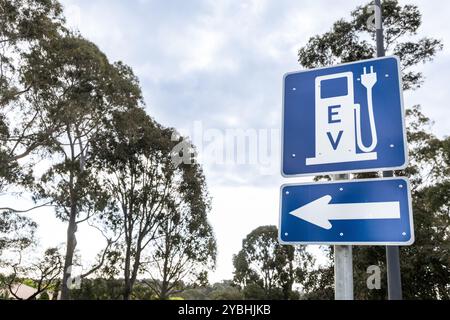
{"points": [[345, 118]]}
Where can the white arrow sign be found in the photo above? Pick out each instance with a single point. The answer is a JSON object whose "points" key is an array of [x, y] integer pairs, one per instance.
{"points": [[320, 211]]}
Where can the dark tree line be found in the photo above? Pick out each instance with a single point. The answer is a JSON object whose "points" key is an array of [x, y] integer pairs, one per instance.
{"points": [[264, 269]]}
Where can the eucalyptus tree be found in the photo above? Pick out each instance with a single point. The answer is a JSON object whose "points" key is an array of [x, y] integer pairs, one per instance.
{"points": [[77, 88], [267, 270], [185, 246], [154, 197], [23, 25]]}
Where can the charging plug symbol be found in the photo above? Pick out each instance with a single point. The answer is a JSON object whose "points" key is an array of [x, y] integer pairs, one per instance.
{"points": [[368, 80]]}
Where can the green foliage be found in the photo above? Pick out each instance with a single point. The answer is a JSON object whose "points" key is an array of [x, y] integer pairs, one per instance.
{"points": [[225, 290], [16, 232], [255, 291], [44, 296], [348, 41], [161, 209], [77, 90], [98, 289], [267, 270], [320, 283], [23, 25]]}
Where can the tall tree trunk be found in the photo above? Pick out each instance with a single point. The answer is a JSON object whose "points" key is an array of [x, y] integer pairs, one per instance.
{"points": [[72, 228], [130, 274], [70, 249], [164, 294], [126, 272], [128, 242], [287, 287], [127, 289], [134, 271]]}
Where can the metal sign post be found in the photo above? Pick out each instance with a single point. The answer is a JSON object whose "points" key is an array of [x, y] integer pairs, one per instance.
{"points": [[343, 265], [392, 252], [343, 273]]}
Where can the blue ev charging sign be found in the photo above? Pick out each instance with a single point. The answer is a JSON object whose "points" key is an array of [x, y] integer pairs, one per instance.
{"points": [[345, 118]]}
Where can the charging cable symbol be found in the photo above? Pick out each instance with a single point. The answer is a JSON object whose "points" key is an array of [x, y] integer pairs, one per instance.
{"points": [[338, 119]]}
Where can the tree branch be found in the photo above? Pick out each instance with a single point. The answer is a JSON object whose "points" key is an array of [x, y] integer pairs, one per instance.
{"points": [[48, 204]]}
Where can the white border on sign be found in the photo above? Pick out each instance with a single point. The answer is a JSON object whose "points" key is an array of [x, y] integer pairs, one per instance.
{"points": [[411, 221], [405, 148]]}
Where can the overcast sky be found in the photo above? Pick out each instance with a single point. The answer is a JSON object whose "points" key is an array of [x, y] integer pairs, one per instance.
{"points": [[219, 64]]}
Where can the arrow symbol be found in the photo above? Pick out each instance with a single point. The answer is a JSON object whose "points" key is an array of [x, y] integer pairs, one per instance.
{"points": [[320, 211]]}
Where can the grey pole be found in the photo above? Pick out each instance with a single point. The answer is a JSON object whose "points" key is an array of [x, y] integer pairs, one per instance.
{"points": [[392, 252], [343, 265], [379, 29]]}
